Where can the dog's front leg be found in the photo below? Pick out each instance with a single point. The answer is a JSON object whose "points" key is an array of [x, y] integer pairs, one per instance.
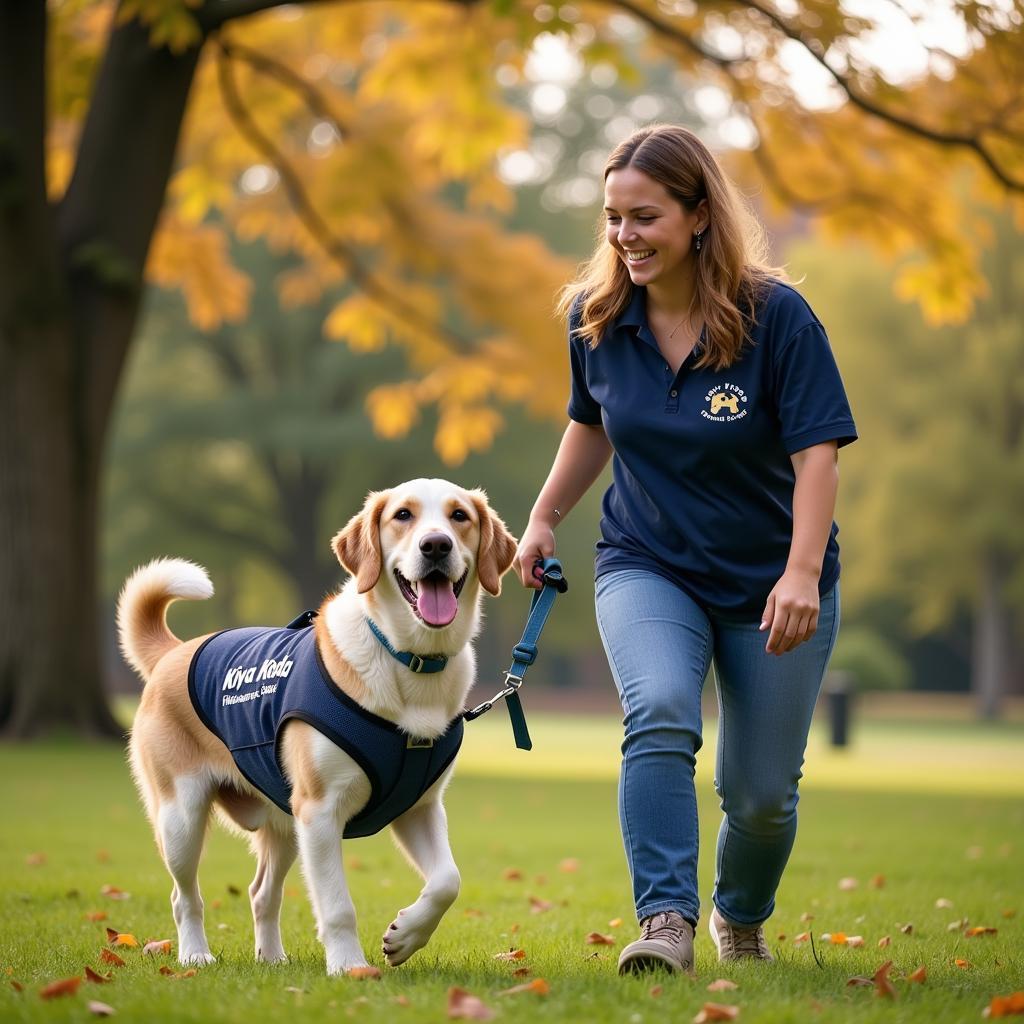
{"points": [[316, 824], [422, 833]]}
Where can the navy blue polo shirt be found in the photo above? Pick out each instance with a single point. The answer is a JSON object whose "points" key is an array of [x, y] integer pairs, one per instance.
{"points": [[702, 488]]}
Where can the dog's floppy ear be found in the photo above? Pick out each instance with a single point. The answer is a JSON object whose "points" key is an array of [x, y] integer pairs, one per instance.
{"points": [[497, 545], [358, 544]]}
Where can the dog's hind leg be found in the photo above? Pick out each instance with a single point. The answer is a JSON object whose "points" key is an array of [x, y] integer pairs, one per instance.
{"points": [[275, 853], [422, 833], [181, 825]]}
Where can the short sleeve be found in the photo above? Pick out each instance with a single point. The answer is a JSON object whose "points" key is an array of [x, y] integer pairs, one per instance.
{"points": [[809, 395], [582, 406]]}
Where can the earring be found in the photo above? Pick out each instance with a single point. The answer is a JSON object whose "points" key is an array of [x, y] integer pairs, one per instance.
{"points": [[698, 240]]}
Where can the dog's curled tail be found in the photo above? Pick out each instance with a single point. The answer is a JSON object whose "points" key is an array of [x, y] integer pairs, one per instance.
{"points": [[142, 608]]}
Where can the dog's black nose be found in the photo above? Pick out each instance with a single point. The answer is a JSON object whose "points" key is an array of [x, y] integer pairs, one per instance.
{"points": [[436, 546]]}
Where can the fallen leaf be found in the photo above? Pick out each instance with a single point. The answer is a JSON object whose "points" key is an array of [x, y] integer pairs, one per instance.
{"points": [[973, 933], [1005, 1006], [597, 939], [510, 875], [722, 985], [964, 965], [463, 1005], [513, 928], [63, 987], [402, 1001], [95, 915], [943, 904], [805, 917], [883, 986], [848, 884], [17, 985], [216, 904], [569, 865], [656, 991], [512, 954], [355, 864], [96, 977], [855, 941], [836, 938], [615, 922], [884, 941], [957, 926], [35, 860], [878, 882], [156, 947], [168, 972], [802, 937], [112, 892], [716, 1011], [98, 1009], [364, 973], [539, 906], [233, 890], [920, 976], [108, 956], [537, 987], [121, 938], [858, 980], [907, 929]]}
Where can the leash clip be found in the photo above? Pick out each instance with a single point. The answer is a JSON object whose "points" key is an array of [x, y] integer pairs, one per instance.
{"points": [[512, 683]]}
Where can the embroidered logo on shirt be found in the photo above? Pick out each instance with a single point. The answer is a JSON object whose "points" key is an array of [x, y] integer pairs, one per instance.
{"points": [[726, 403]]}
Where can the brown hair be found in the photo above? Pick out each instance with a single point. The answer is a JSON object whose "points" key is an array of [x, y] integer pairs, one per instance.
{"points": [[732, 271]]}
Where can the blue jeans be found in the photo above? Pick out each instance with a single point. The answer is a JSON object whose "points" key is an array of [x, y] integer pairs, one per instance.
{"points": [[659, 643]]}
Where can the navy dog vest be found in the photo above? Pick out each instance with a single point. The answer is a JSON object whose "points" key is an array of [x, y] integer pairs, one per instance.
{"points": [[246, 683]]}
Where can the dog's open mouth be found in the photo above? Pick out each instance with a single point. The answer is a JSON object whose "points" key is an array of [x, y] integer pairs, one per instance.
{"points": [[434, 599]]}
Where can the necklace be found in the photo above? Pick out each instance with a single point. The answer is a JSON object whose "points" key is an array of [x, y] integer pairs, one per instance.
{"points": [[672, 333]]}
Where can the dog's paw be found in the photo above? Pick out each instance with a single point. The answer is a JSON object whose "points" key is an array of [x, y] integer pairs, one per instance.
{"points": [[197, 959], [404, 936], [271, 956]]}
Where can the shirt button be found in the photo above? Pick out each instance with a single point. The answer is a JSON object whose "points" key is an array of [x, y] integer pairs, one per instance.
{"points": [[674, 394]]}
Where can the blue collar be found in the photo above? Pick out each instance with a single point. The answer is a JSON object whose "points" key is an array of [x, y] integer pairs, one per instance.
{"points": [[424, 665]]}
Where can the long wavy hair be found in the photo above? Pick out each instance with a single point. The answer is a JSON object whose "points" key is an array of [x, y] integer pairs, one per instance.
{"points": [[732, 269]]}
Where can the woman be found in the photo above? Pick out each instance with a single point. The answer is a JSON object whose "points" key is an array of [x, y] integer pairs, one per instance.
{"points": [[712, 384]]}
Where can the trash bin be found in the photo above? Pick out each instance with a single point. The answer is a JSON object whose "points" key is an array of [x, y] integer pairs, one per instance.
{"points": [[838, 691]]}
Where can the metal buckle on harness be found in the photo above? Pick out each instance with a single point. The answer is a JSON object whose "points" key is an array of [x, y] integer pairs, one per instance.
{"points": [[417, 743], [512, 683]]}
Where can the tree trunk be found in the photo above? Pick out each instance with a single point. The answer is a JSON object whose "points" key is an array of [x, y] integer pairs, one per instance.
{"points": [[70, 286], [991, 646]]}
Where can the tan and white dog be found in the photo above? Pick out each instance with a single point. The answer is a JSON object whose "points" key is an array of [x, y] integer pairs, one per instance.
{"points": [[420, 556]]}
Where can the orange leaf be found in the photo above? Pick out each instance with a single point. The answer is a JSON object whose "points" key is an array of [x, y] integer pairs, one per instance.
{"points": [[35, 860], [512, 954], [114, 893], [656, 991], [836, 938], [95, 915], [98, 1009], [884, 941], [168, 972], [17, 985], [63, 987], [615, 922], [96, 977], [157, 946], [521, 972], [878, 882], [1004, 1006], [569, 865], [108, 956], [919, 976], [539, 906], [537, 987], [722, 985], [510, 875], [1008, 913], [964, 965], [464, 1005], [597, 939], [802, 937], [883, 986], [121, 938], [907, 929], [973, 933], [364, 973], [716, 1011]]}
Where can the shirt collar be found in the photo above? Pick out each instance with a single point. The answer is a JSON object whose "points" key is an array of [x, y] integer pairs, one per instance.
{"points": [[635, 313]]}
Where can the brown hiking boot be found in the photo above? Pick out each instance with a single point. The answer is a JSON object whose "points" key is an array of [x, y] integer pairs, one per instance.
{"points": [[666, 942], [736, 943]]}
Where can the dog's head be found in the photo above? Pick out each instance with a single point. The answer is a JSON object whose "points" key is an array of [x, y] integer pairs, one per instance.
{"points": [[429, 542]]}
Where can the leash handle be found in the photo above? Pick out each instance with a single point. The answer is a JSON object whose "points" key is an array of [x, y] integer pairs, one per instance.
{"points": [[524, 654]]}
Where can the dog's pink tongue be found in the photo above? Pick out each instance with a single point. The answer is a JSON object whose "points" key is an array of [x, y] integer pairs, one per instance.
{"points": [[436, 601]]}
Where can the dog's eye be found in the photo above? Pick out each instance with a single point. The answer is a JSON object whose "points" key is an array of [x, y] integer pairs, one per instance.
{"points": [[460, 516], [403, 515]]}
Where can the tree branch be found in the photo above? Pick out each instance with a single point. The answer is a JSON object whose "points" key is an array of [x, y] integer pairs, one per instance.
{"points": [[296, 192]]}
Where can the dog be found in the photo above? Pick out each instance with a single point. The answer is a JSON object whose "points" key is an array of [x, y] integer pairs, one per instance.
{"points": [[420, 557]]}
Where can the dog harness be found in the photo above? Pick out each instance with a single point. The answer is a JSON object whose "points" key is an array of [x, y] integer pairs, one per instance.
{"points": [[246, 683]]}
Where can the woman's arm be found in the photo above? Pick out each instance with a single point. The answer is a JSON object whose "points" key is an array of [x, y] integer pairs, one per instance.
{"points": [[791, 612], [582, 454]]}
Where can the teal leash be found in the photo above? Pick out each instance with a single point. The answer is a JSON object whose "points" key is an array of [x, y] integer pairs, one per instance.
{"points": [[524, 654]]}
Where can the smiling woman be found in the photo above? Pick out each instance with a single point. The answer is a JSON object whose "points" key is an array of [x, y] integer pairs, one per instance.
{"points": [[712, 383]]}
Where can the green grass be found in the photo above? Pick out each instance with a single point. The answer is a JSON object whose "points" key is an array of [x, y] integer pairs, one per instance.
{"points": [[935, 809]]}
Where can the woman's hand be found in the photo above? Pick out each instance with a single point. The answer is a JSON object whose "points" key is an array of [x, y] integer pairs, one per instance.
{"points": [[538, 541], [791, 612]]}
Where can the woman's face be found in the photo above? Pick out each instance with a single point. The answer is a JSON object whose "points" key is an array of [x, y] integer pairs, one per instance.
{"points": [[651, 231]]}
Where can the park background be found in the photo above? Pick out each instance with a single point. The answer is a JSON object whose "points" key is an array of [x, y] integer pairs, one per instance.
{"points": [[260, 259]]}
